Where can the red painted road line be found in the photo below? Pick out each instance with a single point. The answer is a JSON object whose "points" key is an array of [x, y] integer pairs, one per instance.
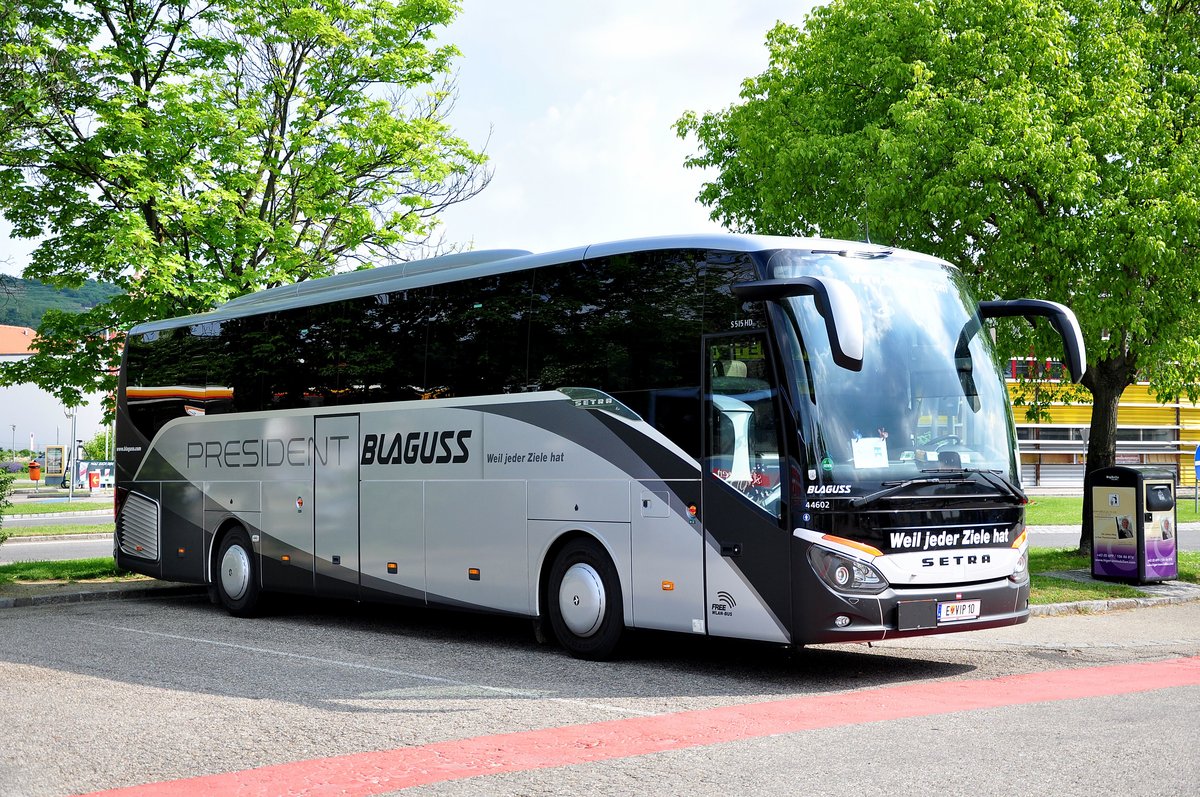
{"points": [[364, 774]]}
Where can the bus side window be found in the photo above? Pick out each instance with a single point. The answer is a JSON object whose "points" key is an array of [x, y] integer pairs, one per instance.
{"points": [[627, 326]]}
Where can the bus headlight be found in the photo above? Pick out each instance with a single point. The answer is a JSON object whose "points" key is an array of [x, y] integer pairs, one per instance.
{"points": [[844, 574], [1020, 572]]}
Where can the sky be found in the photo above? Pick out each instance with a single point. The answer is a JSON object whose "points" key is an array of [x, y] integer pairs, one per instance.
{"points": [[580, 100], [575, 104]]}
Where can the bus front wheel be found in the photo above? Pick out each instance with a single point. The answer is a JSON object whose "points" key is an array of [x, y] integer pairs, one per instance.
{"points": [[585, 601], [236, 578]]}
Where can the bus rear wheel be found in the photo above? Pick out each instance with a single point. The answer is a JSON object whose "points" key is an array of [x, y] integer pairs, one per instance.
{"points": [[236, 577], [585, 601]]}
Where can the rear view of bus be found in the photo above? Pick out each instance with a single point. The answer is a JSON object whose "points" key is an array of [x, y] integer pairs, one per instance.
{"points": [[777, 439]]}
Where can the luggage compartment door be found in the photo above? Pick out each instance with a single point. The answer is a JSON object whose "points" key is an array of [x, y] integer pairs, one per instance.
{"points": [[335, 505]]}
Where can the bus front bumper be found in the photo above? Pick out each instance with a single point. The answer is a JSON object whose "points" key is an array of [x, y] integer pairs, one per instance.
{"points": [[825, 616]]}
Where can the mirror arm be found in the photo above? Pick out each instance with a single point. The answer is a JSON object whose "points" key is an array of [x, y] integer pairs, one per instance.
{"points": [[836, 303], [1060, 317]]}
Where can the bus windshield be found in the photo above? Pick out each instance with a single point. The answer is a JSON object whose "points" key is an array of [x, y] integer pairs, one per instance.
{"points": [[929, 396]]}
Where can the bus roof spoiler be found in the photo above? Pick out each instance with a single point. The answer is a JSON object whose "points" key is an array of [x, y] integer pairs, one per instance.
{"points": [[836, 303], [1061, 318]]}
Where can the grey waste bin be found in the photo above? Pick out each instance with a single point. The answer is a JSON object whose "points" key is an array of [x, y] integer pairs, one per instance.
{"points": [[1131, 512]]}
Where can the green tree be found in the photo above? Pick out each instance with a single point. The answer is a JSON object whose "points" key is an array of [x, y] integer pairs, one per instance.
{"points": [[98, 448], [1051, 148], [188, 152]]}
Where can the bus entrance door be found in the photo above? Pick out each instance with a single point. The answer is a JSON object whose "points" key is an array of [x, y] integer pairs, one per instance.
{"points": [[335, 504], [747, 549]]}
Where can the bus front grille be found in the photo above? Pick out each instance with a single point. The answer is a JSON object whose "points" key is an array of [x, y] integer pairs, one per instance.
{"points": [[137, 527]]}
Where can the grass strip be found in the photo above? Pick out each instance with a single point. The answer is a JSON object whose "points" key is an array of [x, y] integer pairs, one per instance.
{"points": [[1044, 559], [100, 568], [59, 530], [52, 507], [1047, 589], [1066, 510]]}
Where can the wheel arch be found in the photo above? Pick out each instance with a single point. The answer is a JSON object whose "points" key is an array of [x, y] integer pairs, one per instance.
{"points": [[621, 560], [214, 545]]}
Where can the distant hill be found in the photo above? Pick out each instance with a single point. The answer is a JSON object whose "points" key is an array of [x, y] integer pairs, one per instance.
{"points": [[23, 302]]}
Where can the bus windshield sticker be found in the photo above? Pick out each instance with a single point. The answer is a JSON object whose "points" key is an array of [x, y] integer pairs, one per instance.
{"points": [[589, 398]]}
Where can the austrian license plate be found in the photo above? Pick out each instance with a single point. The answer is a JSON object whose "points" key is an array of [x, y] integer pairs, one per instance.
{"points": [[952, 611]]}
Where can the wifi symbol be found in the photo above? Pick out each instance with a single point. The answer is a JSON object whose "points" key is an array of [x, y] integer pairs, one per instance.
{"points": [[726, 598]]}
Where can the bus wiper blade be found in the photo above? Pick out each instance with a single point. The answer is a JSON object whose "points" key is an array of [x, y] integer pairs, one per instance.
{"points": [[1001, 482], [891, 488], [994, 478]]}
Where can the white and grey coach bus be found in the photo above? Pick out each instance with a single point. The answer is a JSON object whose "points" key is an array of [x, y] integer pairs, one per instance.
{"points": [[781, 439]]}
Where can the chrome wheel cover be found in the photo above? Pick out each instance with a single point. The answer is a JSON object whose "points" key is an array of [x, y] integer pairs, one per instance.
{"points": [[581, 599], [235, 572]]}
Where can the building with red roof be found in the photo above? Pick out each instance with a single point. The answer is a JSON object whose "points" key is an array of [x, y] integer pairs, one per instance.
{"points": [[16, 341], [29, 416]]}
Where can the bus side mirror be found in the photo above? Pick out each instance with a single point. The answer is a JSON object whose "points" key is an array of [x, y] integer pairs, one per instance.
{"points": [[836, 303], [1061, 318]]}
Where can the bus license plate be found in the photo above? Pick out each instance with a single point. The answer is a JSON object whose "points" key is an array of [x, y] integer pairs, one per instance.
{"points": [[952, 611]]}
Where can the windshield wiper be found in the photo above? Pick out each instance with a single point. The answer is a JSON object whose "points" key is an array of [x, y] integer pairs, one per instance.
{"points": [[891, 488], [1001, 482], [994, 479]]}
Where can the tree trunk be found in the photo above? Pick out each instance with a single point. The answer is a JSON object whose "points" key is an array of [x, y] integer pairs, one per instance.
{"points": [[1106, 380]]}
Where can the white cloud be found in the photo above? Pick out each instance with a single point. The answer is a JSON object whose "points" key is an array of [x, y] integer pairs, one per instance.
{"points": [[581, 101]]}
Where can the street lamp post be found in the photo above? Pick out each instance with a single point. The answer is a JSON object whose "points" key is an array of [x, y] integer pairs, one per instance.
{"points": [[71, 413]]}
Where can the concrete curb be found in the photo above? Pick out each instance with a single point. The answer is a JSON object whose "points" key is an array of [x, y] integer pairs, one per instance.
{"points": [[82, 513], [1115, 604], [99, 535], [121, 592]]}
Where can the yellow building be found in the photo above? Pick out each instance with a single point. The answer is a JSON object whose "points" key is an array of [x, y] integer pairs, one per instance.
{"points": [[1148, 433]]}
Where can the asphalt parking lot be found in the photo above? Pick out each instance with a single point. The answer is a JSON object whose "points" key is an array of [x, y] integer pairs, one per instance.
{"points": [[116, 694]]}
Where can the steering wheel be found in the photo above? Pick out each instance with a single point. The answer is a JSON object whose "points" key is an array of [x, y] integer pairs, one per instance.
{"points": [[937, 442]]}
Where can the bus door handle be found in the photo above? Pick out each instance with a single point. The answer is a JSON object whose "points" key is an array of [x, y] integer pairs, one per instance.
{"points": [[731, 549]]}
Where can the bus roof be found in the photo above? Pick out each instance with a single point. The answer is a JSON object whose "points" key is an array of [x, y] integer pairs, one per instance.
{"points": [[467, 265]]}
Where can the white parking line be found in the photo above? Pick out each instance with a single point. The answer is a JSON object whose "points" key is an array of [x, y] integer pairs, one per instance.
{"points": [[499, 690]]}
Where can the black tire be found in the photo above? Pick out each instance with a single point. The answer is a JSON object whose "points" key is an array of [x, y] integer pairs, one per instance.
{"points": [[235, 576], [584, 601]]}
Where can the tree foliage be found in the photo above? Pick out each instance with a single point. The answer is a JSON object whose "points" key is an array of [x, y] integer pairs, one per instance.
{"points": [[99, 447], [1051, 148], [188, 152]]}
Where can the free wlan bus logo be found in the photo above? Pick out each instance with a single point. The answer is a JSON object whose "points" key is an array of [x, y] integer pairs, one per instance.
{"points": [[724, 605]]}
